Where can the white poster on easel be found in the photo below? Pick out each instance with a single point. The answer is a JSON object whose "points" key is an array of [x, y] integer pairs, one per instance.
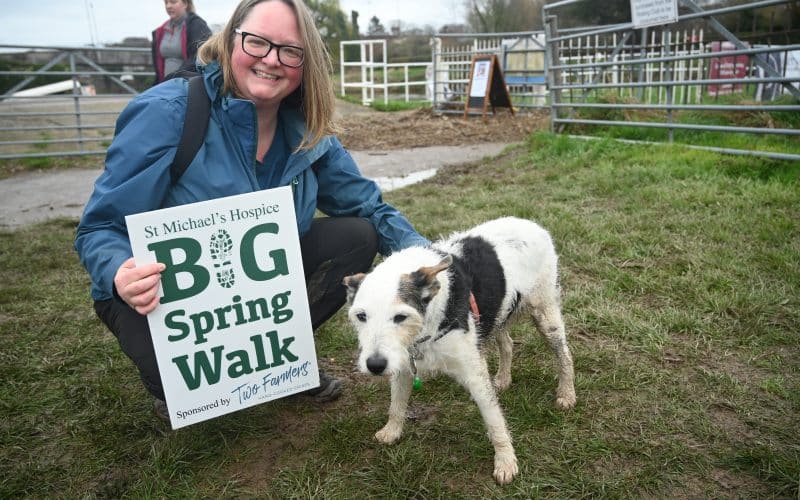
{"points": [[646, 13], [232, 329], [480, 78]]}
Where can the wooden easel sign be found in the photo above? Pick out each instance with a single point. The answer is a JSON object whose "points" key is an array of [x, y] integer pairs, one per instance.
{"points": [[487, 87]]}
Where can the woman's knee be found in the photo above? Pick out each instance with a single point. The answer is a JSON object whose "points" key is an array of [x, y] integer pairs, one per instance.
{"points": [[365, 234], [339, 238]]}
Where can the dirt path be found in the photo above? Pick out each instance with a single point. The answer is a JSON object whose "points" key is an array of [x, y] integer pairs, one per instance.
{"points": [[34, 197]]}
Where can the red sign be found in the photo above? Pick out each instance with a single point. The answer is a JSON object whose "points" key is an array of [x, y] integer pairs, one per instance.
{"points": [[726, 67]]}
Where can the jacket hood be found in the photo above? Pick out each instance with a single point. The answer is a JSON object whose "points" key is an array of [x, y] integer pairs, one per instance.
{"points": [[212, 75]]}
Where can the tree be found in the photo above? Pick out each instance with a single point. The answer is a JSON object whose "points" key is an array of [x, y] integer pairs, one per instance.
{"points": [[375, 27], [330, 20], [332, 25], [354, 23], [594, 13], [497, 16]]}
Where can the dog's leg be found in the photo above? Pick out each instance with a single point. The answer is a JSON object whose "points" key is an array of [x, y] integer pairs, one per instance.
{"points": [[550, 324], [401, 392], [473, 374], [505, 347]]}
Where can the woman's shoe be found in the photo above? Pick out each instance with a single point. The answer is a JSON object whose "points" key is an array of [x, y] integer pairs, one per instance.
{"points": [[160, 409], [330, 388]]}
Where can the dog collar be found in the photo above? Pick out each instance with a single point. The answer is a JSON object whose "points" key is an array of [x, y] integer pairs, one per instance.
{"points": [[473, 306], [414, 353]]}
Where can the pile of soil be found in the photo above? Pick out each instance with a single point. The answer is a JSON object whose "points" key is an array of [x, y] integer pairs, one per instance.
{"points": [[363, 131]]}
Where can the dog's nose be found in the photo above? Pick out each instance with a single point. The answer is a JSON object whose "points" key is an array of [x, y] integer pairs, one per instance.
{"points": [[376, 364]]}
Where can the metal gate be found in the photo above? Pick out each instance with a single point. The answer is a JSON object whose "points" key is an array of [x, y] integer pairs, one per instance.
{"points": [[663, 78], [74, 112]]}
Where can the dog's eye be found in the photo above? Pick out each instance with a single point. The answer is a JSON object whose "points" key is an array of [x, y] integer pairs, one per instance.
{"points": [[399, 318], [362, 316]]}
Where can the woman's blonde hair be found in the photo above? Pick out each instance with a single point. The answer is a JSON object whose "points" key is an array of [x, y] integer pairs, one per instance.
{"points": [[314, 95]]}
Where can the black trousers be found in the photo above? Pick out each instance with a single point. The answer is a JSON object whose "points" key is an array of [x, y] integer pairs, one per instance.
{"points": [[335, 247]]}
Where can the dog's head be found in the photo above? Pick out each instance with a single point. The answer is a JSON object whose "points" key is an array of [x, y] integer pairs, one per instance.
{"points": [[389, 306]]}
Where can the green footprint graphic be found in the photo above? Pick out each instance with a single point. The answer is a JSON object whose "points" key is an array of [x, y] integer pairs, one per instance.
{"points": [[221, 247]]}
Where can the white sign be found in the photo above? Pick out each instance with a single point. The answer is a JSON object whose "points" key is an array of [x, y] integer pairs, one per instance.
{"points": [[480, 78], [653, 12], [792, 68], [232, 329]]}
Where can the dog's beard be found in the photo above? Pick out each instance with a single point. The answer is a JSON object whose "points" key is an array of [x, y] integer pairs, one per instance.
{"points": [[392, 343]]}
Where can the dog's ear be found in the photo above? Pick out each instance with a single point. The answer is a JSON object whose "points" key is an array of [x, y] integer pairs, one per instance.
{"points": [[432, 271], [425, 278], [352, 283]]}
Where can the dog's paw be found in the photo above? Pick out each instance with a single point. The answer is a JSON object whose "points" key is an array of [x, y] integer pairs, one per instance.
{"points": [[389, 434], [505, 468], [566, 401], [501, 383]]}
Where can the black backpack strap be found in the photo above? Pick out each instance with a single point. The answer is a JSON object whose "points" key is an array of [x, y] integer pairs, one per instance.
{"points": [[195, 124]]}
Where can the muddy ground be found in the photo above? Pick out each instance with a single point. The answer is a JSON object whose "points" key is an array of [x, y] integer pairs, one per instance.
{"points": [[362, 131]]}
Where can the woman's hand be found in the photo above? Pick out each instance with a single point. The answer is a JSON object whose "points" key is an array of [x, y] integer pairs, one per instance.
{"points": [[138, 285]]}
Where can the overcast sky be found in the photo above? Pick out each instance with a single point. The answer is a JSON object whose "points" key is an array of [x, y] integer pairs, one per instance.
{"points": [[82, 22]]}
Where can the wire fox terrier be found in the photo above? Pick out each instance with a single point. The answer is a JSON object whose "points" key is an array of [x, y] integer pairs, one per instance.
{"points": [[430, 310]]}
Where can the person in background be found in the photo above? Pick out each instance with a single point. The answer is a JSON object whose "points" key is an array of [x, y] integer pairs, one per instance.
{"points": [[175, 42], [267, 75]]}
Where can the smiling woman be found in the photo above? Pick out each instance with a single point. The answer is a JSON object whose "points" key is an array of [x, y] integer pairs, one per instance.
{"points": [[266, 75], [261, 75]]}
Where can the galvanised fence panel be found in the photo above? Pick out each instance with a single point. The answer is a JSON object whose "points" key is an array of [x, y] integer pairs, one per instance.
{"points": [[64, 101], [682, 77]]}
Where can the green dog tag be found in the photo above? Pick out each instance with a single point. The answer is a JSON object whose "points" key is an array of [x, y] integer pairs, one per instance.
{"points": [[417, 385]]}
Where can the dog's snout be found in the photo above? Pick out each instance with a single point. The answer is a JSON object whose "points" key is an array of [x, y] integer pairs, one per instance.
{"points": [[376, 364]]}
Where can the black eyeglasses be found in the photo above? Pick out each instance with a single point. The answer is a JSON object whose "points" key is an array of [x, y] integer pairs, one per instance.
{"points": [[257, 46]]}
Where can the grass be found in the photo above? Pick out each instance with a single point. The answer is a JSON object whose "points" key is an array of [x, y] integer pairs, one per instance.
{"points": [[391, 105], [394, 105], [12, 167], [762, 119], [680, 285]]}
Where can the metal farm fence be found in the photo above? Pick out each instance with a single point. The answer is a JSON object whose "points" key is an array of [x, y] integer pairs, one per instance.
{"points": [[660, 78], [63, 101], [447, 74], [374, 72], [601, 76]]}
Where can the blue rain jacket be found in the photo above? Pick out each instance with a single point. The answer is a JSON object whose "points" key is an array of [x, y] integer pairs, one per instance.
{"points": [[137, 174]]}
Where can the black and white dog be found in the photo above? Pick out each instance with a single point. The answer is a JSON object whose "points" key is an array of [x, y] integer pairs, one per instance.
{"points": [[428, 310]]}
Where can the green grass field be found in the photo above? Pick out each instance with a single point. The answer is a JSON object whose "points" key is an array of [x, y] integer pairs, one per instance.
{"points": [[765, 120], [681, 295]]}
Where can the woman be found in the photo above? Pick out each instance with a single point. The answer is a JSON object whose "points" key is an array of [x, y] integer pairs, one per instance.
{"points": [[176, 41], [267, 76]]}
